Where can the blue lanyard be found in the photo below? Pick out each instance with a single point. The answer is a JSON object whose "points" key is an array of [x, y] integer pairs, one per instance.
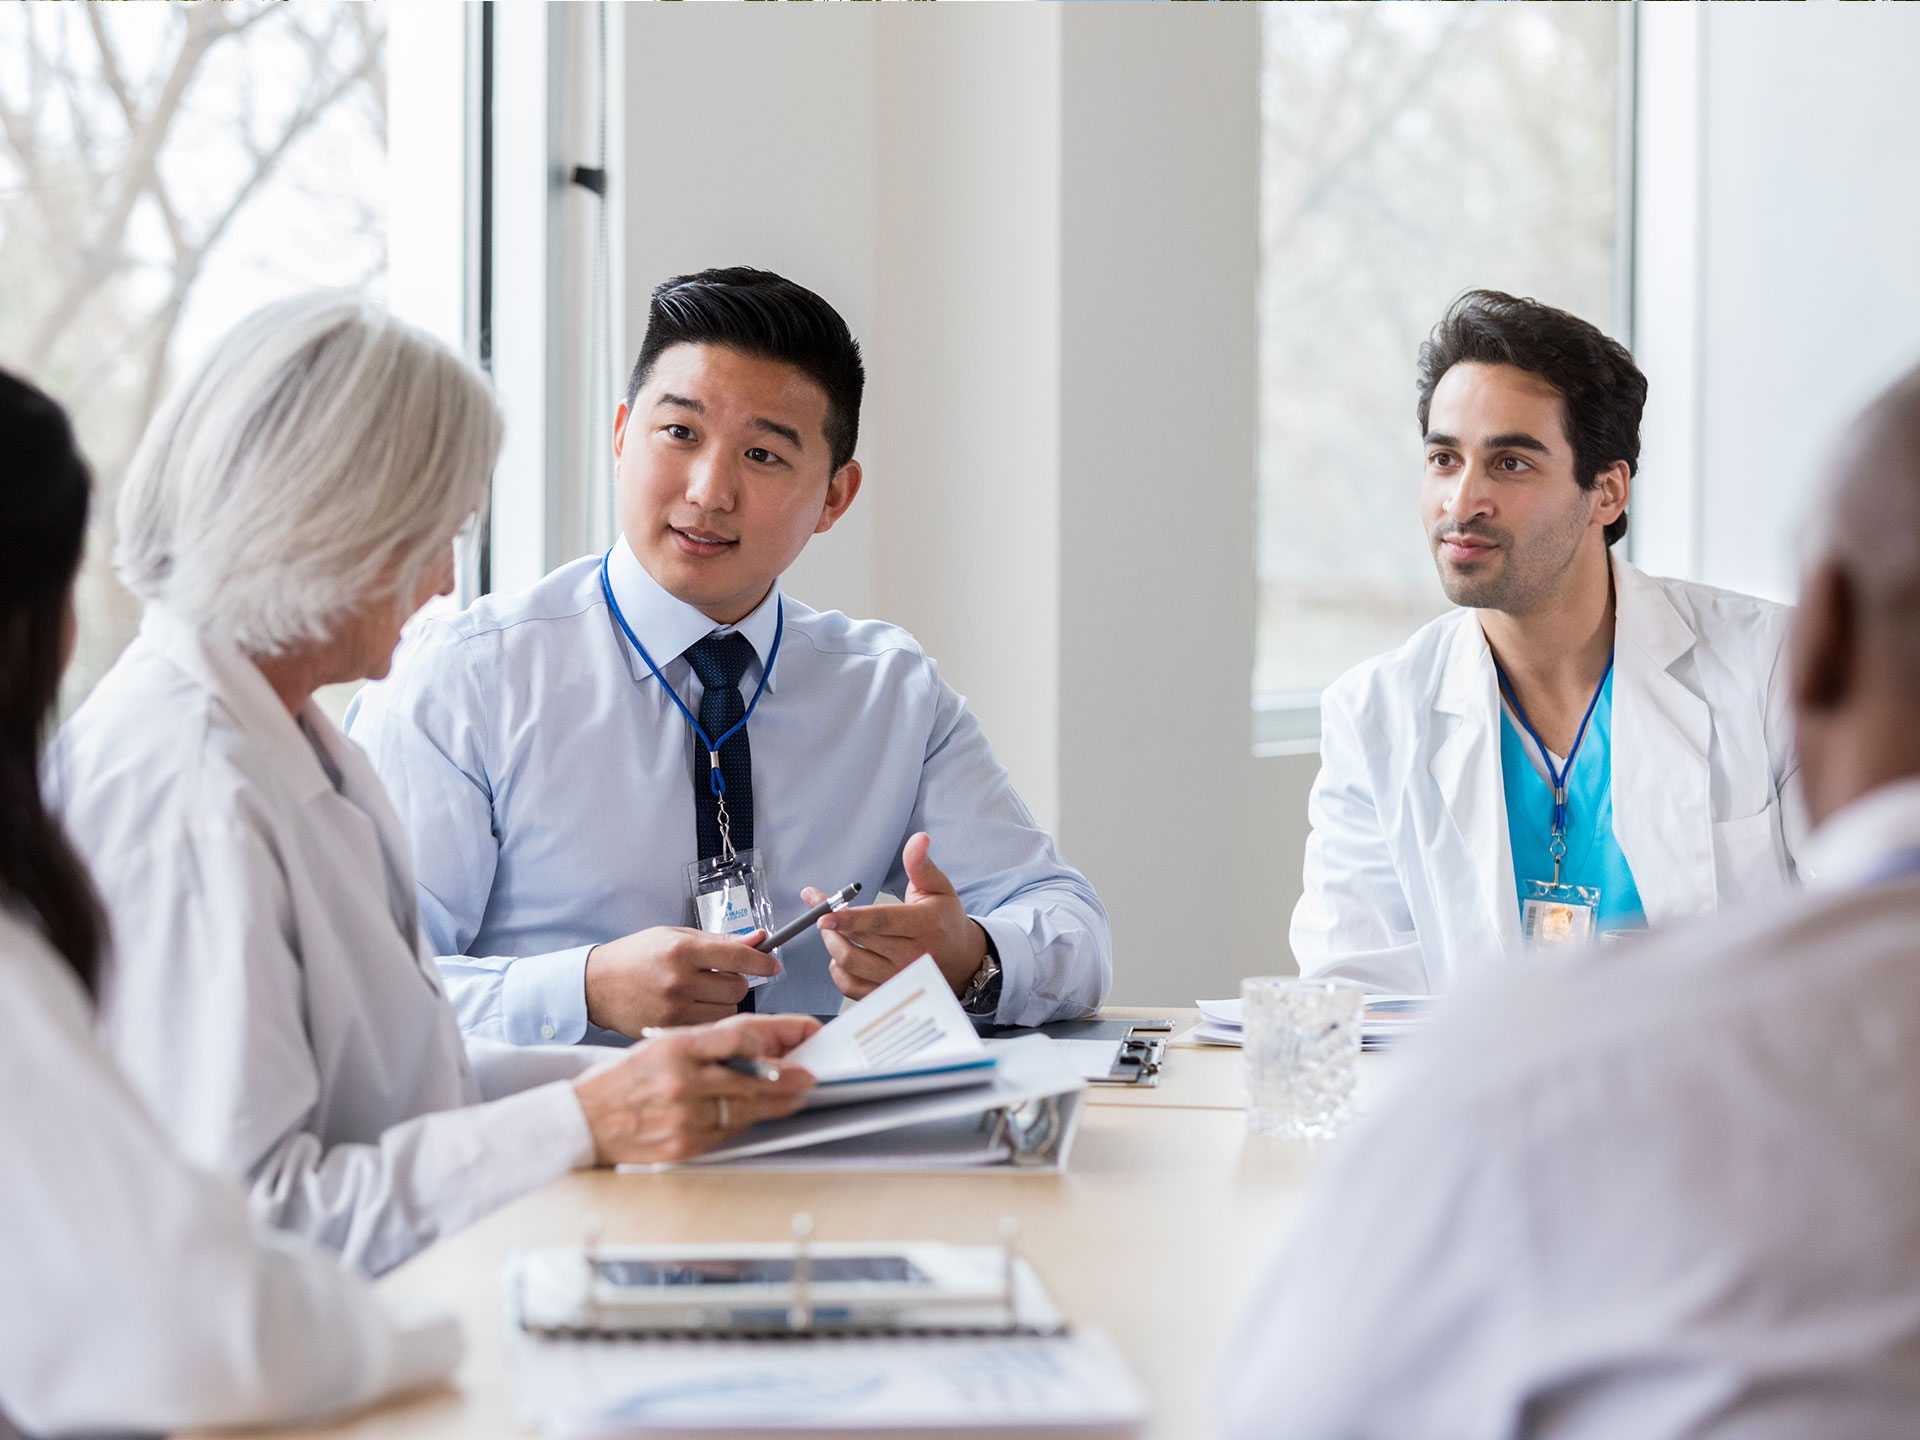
{"points": [[1557, 846], [715, 780]]}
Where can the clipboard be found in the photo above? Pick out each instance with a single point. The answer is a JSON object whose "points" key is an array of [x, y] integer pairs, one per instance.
{"points": [[797, 1349], [1143, 1044]]}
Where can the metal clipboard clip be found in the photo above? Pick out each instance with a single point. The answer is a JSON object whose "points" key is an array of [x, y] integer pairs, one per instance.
{"points": [[581, 1293], [1139, 1059]]}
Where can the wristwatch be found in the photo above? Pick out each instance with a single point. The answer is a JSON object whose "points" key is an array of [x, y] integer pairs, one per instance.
{"points": [[982, 995]]}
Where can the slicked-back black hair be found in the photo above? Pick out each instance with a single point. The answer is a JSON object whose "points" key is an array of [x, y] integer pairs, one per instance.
{"points": [[1602, 391], [766, 315], [44, 490]]}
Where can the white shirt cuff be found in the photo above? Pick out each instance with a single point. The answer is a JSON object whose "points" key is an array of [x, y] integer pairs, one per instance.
{"points": [[543, 998]]}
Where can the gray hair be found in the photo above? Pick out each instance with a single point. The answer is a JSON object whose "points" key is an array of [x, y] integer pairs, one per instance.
{"points": [[319, 456]]}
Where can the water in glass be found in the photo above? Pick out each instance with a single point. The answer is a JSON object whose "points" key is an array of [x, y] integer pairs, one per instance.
{"points": [[1302, 1054]]}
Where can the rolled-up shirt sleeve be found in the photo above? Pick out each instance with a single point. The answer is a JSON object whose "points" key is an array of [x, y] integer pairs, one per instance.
{"points": [[1048, 925]]}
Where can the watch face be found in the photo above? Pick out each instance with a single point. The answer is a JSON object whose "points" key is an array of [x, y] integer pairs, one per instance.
{"points": [[985, 979]]}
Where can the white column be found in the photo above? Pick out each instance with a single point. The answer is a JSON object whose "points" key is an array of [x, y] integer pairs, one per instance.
{"points": [[526, 300], [966, 410], [1664, 530], [1160, 157]]}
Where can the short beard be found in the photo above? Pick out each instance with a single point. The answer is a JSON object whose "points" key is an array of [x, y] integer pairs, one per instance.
{"points": [[1529, 578]]}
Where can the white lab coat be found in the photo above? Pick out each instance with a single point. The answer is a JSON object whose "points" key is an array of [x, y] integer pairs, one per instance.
{"points": [[1669, 1197], [1409, 869], [134, 1293], [269, 992]]}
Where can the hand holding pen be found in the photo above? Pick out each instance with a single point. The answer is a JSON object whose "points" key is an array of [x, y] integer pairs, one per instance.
{"points": [[746, 1065], [839, 900], [680, 1093]]}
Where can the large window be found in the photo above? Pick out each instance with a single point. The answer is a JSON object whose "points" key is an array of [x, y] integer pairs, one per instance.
{"points": [[165, 169], [1408, 152]]}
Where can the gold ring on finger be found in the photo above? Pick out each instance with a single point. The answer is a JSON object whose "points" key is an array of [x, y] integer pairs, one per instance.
{"points": [[721, 1106]]}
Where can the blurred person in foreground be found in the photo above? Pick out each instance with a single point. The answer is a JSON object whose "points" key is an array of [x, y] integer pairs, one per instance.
{"points": [[269, 991], [1670, 1190], [136, 1295]]}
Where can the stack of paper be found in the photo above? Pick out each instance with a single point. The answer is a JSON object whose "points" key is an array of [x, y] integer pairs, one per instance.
{"points": [[1219, 1023], [1387, 1019]]}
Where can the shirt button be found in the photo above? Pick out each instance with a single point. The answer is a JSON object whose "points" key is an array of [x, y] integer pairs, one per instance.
{"points": [[546, 1031]]}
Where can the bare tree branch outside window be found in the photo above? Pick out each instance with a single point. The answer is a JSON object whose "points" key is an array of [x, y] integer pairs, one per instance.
{"points": [[165, 169], [1408, 152]]}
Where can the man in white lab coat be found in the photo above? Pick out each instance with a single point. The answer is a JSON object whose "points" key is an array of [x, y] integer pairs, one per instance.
{"points": [[1669, 1193], [1580, 748]]}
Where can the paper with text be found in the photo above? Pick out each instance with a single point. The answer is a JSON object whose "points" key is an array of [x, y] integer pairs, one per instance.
{"points": [[912, 1022]]}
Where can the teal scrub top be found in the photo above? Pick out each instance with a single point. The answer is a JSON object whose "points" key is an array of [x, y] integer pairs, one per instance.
{"points": [[1594, 857]]}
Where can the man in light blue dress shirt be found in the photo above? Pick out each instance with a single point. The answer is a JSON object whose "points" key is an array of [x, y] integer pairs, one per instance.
{"points": [[548, 779]]}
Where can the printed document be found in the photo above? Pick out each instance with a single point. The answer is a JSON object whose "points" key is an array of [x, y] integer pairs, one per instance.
{"points": [[912, 1023]]}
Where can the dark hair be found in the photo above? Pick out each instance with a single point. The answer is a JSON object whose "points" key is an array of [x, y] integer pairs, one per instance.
{"points": [[759, 313], [44, 489], [1601, 390]]}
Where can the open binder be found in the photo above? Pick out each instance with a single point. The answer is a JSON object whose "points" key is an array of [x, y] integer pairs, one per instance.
{"points": [[1022, 1112], [938, 1097]]}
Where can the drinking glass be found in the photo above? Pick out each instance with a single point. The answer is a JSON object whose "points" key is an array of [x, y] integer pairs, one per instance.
{"points": [[1302, 1047]]}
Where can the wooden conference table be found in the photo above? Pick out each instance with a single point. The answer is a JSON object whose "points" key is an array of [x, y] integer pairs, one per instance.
{"points": [[1155, 1234]]}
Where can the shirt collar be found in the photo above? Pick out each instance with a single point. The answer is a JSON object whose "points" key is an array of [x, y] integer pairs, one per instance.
{"points": [[216, 663], [1856, 840], [667, 625]]}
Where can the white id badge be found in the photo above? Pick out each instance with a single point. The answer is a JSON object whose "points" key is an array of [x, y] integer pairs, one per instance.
{"points": [[730, 898], [1557, 917]]}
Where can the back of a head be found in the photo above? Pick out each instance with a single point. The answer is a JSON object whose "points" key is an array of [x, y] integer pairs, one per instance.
{"points": [[320, 452], [1868, 521], [768, 316], [44, 490], [1603, 391]]}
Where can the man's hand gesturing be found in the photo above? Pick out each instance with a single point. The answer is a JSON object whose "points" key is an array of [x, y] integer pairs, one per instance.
{"points": [[871, 943]]}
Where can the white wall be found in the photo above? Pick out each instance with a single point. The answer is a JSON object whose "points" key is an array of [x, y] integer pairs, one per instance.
{"points": [[965, 413], [1162, 801], [1812, 297], [1783, 291], [750, 141]]}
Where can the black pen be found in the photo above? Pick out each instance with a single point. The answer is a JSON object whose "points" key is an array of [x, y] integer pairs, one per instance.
{"points": [[836, 901], [739, 1064]]}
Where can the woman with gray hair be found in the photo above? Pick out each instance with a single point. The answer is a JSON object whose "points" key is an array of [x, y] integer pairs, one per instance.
{"points": [[294, 502]]}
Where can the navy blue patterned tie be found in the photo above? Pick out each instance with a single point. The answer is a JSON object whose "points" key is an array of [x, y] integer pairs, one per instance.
{"points": [[720, 661]]}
